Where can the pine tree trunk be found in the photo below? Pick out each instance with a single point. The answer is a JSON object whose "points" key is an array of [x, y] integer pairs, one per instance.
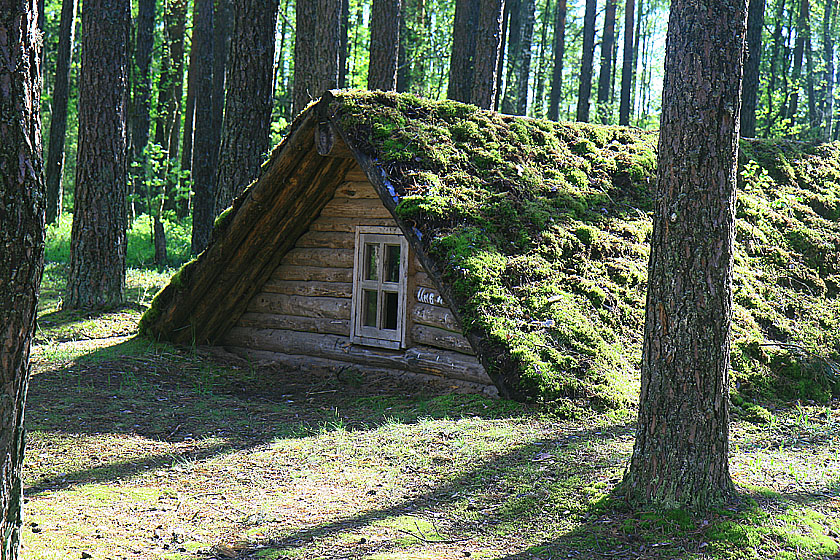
{"points": [[628, 68], [774, 57], [813, 121], [97, 243], [500, 66], [680, 458], [143, 43], [22, 194], [222, 29], [58, 122], [515, 101], [559, 53], [513, 42], [588, 53], [640, 20], [344, 26], [384, 45], [755, 25], [189, 117], [204, 147], [488, 42], [604, 79], [798, 56], [828, 53], [538, 101], [403, 66], [317, 43], [247, 125], [462, 61]]}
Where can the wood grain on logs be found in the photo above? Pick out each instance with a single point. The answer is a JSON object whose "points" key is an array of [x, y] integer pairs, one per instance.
{"points": [[327, 240], [294, 323], [312, 273], [439, 338], [301, 306], [351, 208], [336, 258], [310, 288], [435, 316], [349, 224]]}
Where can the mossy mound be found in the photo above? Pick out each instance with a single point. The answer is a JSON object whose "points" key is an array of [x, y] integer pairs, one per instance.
{"points": [[541, 229]]}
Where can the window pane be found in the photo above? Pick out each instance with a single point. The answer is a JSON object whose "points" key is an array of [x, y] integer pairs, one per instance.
{"points": [[369, 306], [371, 261], [391, 304], [392, 263]]}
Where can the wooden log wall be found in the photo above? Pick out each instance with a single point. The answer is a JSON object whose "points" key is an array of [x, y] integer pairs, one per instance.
{"points": [[304, 308]]}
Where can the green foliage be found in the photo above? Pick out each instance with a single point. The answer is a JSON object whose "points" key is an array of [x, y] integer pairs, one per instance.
{"points": [[546, 247]]}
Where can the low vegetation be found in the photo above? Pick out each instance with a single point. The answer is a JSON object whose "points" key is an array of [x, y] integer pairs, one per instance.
{"points": [[138, 450], [543, 228]]}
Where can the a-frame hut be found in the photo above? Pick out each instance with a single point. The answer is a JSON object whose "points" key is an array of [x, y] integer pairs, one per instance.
{"points": [[389, 232]]}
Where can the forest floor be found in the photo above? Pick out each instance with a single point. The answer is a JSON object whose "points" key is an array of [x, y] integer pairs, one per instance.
{"points": [[140, 450]]}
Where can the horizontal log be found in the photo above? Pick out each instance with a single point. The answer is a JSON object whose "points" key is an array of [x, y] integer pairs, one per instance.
{"points": [[349, 224], [301, 306], [356, 189], [312, 273], [293, 323], [323, 366], [418, 359], [435, 316], [439, 338], [349, 208], [421, 279], [355, 174], [309, 288], [327, 240], [336, 258]]}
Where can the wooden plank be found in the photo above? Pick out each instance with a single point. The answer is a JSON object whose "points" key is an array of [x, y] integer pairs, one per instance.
{"points": [[294, 323], [335, 258], [439, 338], [309, 288], [355, 208], [349, 224], [355, 174], [422, 280], [301, 306], [327, 240], [356, 189], [442, 363], [312, 273], [435, 316]]}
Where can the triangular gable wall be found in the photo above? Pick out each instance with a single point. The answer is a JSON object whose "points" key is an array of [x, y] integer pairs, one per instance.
{"points": [[304, 311]]}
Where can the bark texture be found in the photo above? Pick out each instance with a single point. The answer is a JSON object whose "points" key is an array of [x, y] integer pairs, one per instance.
{"points": [[588, 53], [755, 25], [828, 59], [515, 101], [487, 47], [629, 67], [22, 201], [802, 33], [462, 61], [384, 45], [680, 458], [203, 137], [143, 43], [606, 73], [559, 49], [97, 243], [58, 122], [317, 43], [250, 76], [189, 113]]}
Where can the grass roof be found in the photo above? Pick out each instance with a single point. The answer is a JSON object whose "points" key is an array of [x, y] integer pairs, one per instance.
{"points": [[541, 229]]}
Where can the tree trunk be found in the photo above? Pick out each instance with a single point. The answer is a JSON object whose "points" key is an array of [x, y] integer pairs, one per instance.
{"points": [[204, 147], [559, 54], [384, 45], [487, 46], [22, 196], [813, 121], [588, 53], [403, 67], [462, 61], [629, 67], [58, 122], [604, 80], [143, 43], [640, 19], [774, 57], [538, 99], [755, 25], [519, 57], [828, 53], [317, 44], [500, 65], [189, 121], [97, 243], [680, 458], [344, 26], [247, 125], [222, 29], [798, 55]]}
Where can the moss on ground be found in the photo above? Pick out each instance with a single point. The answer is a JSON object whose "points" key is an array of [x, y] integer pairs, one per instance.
{"points": [[541, 229]]}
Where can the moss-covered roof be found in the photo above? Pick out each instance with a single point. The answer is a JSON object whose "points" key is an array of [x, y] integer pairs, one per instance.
{"points": [[538, 231]]}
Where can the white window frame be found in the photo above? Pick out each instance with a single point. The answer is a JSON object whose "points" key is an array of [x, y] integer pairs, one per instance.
{"points": [[373, 336]]}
